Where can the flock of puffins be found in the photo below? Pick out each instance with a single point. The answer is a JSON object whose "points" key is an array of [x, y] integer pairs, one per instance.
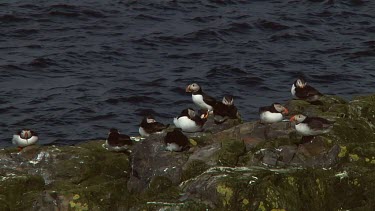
{"points": [[190, 121]]}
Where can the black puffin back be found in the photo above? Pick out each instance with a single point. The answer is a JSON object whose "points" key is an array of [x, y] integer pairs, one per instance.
{"points": [[317, 123], [152, 127], [177, 137], [206, 98], [113, 138], [117, 139], [224, 110]]}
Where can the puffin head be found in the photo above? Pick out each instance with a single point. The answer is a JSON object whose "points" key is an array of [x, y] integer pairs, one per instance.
{"points": [[191, 112], [227, 100], [150, 119], [280, 108], [26, 134], [300, 83], [194, 87], [298, 118], [113, 131]]}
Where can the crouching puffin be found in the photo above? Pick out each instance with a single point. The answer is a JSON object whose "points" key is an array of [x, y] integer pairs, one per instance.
{"points": [[189, 121], [117, 142], [225, 110], [176, 141], [201, 99], [311, 126], [301, 90], [25, 138], [149, 126], [273, 113]]}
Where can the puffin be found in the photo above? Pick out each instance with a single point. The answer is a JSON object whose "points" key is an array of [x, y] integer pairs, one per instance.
{"points": [[201, 99], [189, 121], [225, 110], [176, 141], [311, 126], [149, 126], [273, 113], [117, 142], [301, 90], [24, 138]]}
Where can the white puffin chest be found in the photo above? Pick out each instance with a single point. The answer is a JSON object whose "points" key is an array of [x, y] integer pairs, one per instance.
{"points": [[269, 117], [198, 100], [293, 91], [305, 130], [186, 124], [142, 132]]}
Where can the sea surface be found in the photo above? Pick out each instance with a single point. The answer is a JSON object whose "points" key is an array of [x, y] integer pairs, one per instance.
{"points": [[70, 70]]}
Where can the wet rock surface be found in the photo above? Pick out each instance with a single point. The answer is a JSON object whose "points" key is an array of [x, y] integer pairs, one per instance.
{"points": [[233, 166]]}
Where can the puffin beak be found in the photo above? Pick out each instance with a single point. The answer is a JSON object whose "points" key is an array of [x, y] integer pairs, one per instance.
{"points": [[28, 134], [285, 111], [188, 89], [293, 119]]}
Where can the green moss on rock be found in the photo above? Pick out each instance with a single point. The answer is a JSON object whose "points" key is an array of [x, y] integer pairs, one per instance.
{"points": [[230, 152], [161, 188], [363, 106], [193, 169], [20, 191], [352, 131]]}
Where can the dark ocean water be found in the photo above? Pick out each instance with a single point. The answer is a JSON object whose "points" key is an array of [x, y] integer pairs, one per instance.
{"points": [[70, 70]]}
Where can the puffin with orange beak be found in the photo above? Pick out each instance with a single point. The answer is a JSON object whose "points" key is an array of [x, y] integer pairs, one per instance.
{"points": [[311, 126], [189, 121], [273, 113], [201, 99], [301, 90], [25, 138]]}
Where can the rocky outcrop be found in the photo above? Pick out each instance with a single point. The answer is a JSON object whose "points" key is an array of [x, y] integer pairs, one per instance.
{"points": [[233, 166]]}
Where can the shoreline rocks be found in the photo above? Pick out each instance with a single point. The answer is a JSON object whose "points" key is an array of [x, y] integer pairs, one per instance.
{"points": [[233, 166]]}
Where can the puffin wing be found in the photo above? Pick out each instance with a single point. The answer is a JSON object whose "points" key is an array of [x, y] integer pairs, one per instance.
{"points": [[124, 140], [209, 100], [311, 91], [220, 109], [317, 123], [267, 108], [307, 92], [157, 126]]}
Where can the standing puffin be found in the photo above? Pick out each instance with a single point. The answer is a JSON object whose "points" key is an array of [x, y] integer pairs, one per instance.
{"points": [[225, 110], [311, 126], [116, 141], [25, 138], [149, 126], [201, 99], [176, 141], [189, 121], [273, 113], [301, 90]]}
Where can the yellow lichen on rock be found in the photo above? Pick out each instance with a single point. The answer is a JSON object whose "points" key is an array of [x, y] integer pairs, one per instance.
{"points": [[343, 151], [78, 206], [261, 207], [75, 197], [193, 142], [225, 191], [354, 157]]}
